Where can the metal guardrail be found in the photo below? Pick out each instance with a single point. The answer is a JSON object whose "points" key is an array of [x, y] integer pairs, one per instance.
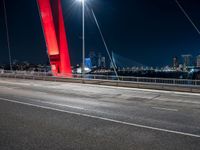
{"points": [[125, 79]]}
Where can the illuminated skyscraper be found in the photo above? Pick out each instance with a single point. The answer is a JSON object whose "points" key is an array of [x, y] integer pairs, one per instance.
{"points": [[93, 57], [186, 61], [175, 62]]}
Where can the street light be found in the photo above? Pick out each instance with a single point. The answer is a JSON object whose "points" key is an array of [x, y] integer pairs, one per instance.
{"points": [[83, 36]]}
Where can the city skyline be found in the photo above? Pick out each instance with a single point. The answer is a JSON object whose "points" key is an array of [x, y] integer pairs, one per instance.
{"points": [[134, 30]]}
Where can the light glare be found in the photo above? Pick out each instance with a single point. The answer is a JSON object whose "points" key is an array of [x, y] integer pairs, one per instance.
{"points": [[81, 1]]}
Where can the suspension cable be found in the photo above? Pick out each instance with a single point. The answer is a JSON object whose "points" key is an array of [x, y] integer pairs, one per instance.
{"points": [[104, 42], [187, 16], [7, 34]]}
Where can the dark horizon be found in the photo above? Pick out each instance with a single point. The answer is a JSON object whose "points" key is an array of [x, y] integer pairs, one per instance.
{"points": [[150, 33]]}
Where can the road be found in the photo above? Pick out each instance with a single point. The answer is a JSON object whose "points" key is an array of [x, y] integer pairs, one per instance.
{"points": [[42, 115]]}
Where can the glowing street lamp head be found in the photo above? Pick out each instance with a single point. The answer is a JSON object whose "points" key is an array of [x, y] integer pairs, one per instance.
{"points": [[82, 1]]}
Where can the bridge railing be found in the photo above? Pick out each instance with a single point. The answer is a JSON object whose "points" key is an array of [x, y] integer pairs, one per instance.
{"points": [[126, 79]]}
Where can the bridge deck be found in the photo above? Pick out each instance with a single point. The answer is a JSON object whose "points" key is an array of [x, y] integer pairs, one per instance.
{"points": [[56, 115]]}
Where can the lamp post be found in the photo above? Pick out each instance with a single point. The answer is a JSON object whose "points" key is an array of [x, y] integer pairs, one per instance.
{"points": [[83, 36], [7, 34]]}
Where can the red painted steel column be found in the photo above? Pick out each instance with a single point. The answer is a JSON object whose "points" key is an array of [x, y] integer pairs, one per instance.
{"points": [[55, 36], [63, 45]]}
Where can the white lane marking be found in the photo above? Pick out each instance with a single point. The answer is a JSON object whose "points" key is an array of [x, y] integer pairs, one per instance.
{"points": [[63, 105], [167, 109], [178, 100], [150, 90], [16, 83], [102, 118]]}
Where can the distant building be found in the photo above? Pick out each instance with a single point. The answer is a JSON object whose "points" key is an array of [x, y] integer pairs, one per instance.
{"points": [[103, 62], [93, 57], [175, 62], [186, 61], [198, 61], [88, 63], [99, 59]]}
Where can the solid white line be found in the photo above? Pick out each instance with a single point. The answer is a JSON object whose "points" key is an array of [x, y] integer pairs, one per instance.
{"points": [[15, 83], [63, 105], [162, 108], [149, 90], [102, 118], [179, 100]]}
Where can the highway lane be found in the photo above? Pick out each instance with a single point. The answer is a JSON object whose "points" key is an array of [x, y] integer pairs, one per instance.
{"points": [[56, 115]]}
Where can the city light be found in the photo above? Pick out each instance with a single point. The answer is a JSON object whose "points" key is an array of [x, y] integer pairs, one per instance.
{"points": [[82, 1]]}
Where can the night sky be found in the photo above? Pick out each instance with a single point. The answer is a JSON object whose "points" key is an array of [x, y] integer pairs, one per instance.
{"points": [[146, 31]]}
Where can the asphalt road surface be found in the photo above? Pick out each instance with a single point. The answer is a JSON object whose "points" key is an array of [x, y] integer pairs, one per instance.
{"points": [[41, 115]]}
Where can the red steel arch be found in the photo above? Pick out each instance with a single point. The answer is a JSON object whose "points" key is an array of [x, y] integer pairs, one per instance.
{"points": [[55, 36]]}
